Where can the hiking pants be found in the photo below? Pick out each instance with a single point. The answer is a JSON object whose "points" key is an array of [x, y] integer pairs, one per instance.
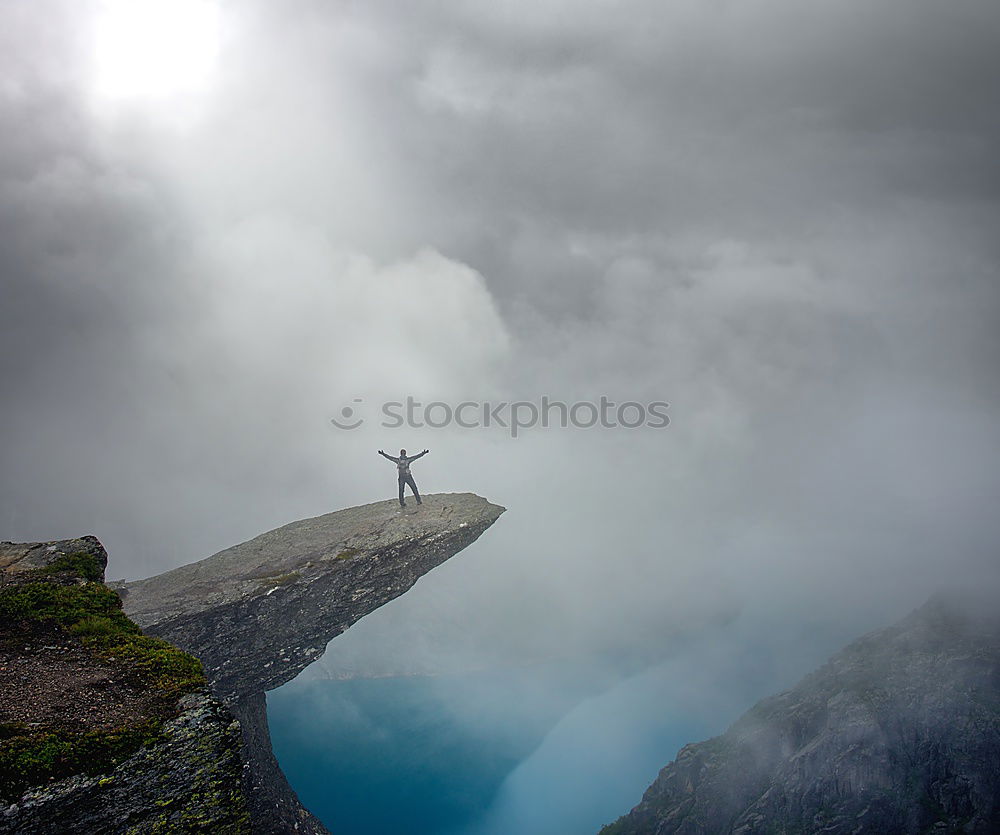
{"points": [[404, 479]]}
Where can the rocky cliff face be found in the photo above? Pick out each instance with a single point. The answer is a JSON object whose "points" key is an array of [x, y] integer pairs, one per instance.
{"points": [[188, 781], [103, 729], [257, 614], [897, 733]]}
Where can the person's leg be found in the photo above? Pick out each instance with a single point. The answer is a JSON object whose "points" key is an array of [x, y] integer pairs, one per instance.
{"points": [[413, 487], [402, 484]]}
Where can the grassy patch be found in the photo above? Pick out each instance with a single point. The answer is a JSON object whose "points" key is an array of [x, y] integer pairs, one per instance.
{"points": [[95, 626], [347, 553], [79, 563], [276, 580], [34, 758], [92, 612], [162, 665], [67, 605]]}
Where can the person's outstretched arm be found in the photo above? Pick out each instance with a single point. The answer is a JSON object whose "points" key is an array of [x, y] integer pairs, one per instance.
{"points": [[392, 458], [419, 455]]}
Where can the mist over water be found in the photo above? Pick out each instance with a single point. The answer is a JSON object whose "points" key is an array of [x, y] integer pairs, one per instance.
{"points": [[542, 749]]}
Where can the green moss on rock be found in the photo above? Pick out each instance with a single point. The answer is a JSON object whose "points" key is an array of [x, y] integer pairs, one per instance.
{"points": [[91, 612], [80, 564], [64, 604], [187, 780], [32, 758]]}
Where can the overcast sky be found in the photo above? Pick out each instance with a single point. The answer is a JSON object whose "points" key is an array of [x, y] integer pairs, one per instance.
{"points": [[221, 223]]}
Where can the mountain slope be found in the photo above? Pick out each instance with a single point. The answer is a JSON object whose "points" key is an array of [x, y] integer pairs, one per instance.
{"points": [[897, 733]]}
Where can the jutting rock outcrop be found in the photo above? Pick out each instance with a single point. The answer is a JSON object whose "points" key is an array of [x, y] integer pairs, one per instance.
{"points": [[104, 728], [258, 613], [898, 733]]}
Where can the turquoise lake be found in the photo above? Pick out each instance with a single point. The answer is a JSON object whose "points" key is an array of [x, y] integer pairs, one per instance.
{"points": [[547, 750]]}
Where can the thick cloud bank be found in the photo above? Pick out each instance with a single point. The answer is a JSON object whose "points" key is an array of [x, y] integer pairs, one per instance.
{"points": [[779, 218]]}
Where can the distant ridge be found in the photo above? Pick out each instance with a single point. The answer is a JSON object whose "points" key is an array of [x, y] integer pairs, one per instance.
{"points": [[898, 733]]}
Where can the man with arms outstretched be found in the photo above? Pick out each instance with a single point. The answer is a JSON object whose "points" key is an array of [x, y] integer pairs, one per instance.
{"points": [[403, 470]]}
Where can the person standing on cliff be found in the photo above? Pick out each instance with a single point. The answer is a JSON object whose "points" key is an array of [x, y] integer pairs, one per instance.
{"points": [[403, 470]]}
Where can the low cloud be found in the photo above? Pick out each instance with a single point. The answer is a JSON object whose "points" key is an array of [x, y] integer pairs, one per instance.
{"points": [[778, 219]]}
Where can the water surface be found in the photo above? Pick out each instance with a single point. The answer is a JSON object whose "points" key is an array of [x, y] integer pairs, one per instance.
{"points": [[543, 750]]}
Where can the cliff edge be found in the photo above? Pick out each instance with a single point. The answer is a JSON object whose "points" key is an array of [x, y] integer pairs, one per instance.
{"points": [[258, 613], [103, 729]]}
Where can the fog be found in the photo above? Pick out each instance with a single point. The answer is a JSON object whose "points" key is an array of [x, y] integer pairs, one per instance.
{"points": [[780, 219]]}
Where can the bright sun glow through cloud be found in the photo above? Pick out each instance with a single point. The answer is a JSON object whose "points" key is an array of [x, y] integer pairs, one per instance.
{"points": [[155, 48]]}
